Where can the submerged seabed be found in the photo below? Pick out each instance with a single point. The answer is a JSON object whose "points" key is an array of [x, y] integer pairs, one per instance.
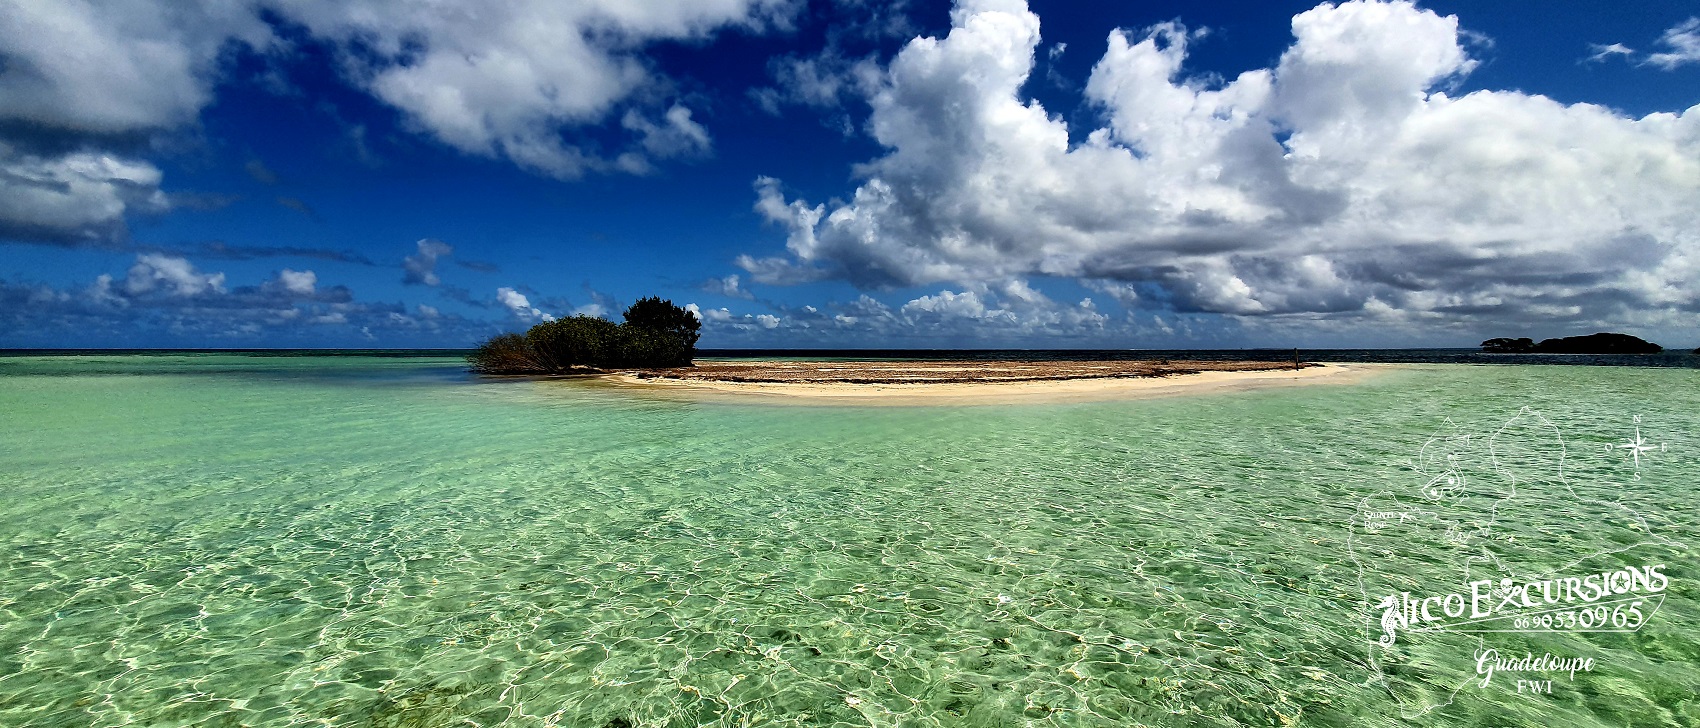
{"points": [[234, 540]]}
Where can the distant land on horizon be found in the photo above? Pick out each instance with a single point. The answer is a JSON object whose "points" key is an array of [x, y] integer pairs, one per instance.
{"points": [[1599, 343]]}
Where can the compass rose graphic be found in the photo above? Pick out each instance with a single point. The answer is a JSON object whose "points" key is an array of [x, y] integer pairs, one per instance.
{"points": [[1636, 446]]}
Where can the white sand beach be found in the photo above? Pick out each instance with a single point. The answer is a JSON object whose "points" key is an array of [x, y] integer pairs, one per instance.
{"points": [[969, 390]]}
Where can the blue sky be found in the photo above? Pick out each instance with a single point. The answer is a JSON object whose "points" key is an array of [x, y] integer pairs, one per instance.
{"points": [[989, 173]]}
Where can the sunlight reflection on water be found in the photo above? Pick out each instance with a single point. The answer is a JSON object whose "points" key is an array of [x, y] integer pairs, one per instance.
{"points": [[354, 542]]}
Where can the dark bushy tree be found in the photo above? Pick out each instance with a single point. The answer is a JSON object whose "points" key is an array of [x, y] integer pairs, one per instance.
{"points": [[660, 334], [656, 334]]}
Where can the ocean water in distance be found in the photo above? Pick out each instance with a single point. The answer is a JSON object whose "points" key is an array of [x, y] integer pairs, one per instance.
{"points": [[228, 539]]}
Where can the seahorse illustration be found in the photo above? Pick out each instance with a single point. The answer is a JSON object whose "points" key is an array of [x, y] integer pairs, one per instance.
{"points": [[1391, 620]]}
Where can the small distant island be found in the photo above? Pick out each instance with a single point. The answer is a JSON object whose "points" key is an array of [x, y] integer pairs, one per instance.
{"points": [[655, 334], [656, 345], [1600, 343]]}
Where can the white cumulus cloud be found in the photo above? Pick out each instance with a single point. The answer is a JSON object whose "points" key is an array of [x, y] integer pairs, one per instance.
{"points": [[517, 303], [115, 67], [1345, 180], [78, 73], [676, 134], [300, 283], [505, 79], [421, 267], [511, 80], [731, 286], [76, 198], [1683, 40], [170, 276]]}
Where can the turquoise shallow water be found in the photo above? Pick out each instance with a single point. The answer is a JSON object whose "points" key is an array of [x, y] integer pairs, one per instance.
{"points": [[232, 540]]}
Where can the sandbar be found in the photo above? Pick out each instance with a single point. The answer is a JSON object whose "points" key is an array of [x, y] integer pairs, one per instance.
{"points": [[974, 382]]}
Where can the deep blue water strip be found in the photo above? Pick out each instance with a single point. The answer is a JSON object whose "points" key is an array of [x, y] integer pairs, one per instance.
{"points": [[1668, 358]]}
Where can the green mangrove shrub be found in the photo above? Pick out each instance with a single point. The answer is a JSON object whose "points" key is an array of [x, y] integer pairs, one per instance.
{"points": [[655, 334], [575, 341], [506, 354]]}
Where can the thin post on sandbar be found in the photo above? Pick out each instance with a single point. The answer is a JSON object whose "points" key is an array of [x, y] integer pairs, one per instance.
{"points": [[1295, 359]]}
